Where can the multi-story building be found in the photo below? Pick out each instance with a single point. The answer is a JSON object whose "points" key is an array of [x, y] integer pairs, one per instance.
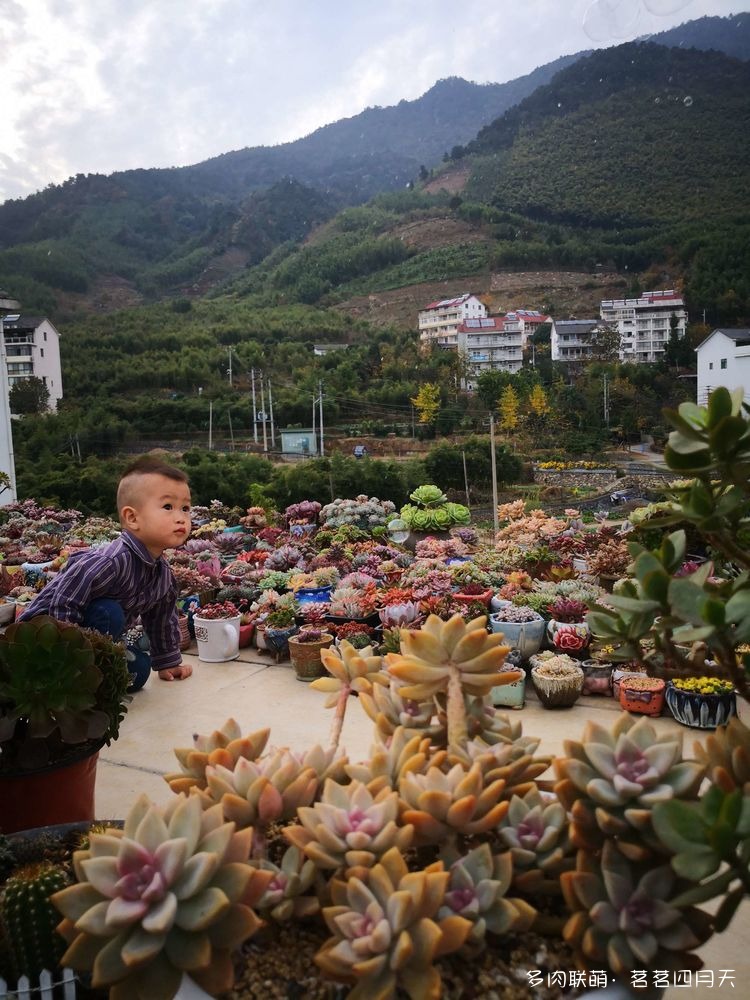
{"points": [[575, 339], [489, 346], [31, 346], [723, 360], [527, 321], [439, 321], [644, 324]]}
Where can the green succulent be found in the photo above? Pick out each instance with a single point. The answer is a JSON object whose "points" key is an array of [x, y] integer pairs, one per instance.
{"points": [[285, 896], [428, 496], [49, 683], [170, 893], [626, 915], [610, 782], [709, 837], [477, 891]]}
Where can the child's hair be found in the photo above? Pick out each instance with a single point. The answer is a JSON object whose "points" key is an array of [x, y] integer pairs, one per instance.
{"points": [[148, 465]]}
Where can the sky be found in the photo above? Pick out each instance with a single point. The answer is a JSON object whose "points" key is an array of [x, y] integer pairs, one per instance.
{"points": [[94, 86]]}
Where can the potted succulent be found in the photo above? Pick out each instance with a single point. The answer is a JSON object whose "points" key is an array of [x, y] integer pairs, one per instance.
{"points": [[609, 562], [431, 513], [62, 697], [642, 694], [217, 632], [281, 624], [522, 627], [357, 634], [304, 652], [701, 702], [511, 695], [557, 679], [597, 672], [301, 518]]}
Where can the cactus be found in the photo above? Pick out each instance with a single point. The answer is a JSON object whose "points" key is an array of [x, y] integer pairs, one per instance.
{"points": [[28, 920], [387, 933]]}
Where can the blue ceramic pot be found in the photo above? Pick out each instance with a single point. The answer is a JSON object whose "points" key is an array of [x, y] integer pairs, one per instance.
{"points": [[701, 711], [310, 595]]}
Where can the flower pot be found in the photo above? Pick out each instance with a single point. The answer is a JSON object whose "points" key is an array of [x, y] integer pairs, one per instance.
{"points": [[277, 640], [558, 692], [7, 611], [305, 657], [485, 597], [57, 793], [607, 581], [218, 638], [580, 565], [597, 677], [526, 637], [619, 674], [311, 595], [373, 619], [246, 634], [647, 700], [260, 636], [701, 711], [511, 695], [185, 639], [572, 638]]}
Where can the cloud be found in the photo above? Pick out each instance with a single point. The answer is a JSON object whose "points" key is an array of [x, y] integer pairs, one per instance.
{"points": [[136, 83]]}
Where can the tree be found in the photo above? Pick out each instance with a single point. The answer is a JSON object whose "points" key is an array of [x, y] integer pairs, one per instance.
{"points": [[28, 395], [605, 343], [508, 407], [538, 402], [427, 402], [678, 352]]}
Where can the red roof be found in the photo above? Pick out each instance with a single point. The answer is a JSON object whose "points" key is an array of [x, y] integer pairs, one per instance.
{"points": [[445, 303]]}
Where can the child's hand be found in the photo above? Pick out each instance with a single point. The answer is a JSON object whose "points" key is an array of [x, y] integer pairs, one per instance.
{"points": [[178, 673]]}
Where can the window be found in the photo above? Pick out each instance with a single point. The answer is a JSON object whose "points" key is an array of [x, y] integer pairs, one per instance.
{"points": [[45, 336], [710, 366], [723, 362], [41, 350]]}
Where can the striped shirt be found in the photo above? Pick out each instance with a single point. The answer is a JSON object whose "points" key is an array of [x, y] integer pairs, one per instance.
{"points": [[126, 572]]}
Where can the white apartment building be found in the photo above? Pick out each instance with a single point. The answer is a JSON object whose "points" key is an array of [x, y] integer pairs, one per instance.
{"points": [[439, 321], [527, 321], [574, 339], [644, 323], [723, 360], [31, 346], [489, 346]]}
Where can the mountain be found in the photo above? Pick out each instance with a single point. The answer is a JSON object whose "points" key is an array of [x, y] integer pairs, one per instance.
{"points": [[104, 241]]}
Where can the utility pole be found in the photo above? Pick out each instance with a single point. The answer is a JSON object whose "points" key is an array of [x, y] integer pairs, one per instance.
{"points": [[495, 521], [320, 401], [413, 435], [466, 479], [606, 401], [314, 439], [231, 432], [211, 425], [229, 350], [270, 413], [255, 411], [263, 414]]}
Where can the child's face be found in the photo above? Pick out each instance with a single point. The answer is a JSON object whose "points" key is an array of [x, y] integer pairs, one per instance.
{"points": [[160, 517]]}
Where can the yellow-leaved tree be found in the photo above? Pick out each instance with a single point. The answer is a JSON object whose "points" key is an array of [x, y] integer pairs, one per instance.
{"points": [[508, 408], [538, 402], [427, 402]]}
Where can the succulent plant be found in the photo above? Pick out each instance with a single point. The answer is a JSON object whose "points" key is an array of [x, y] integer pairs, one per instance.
{"points": [[726, 756], [285, 896], [454, 657], [624, 914], [611, 780], [389, 710], [351, 670], [170, 893], [53, 691], [476, 891], [224, 746], [387, 763], [536, 831], [443, 805], [387, 934], [567, 610], [400, 615], [28, 942], [349, 828], [514, 763]]}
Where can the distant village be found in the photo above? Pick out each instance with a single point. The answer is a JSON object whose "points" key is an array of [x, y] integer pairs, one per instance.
{"points": [[633, 331]]}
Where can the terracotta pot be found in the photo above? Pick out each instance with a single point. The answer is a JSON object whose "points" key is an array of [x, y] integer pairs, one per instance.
{"points": [[58, 793], [185, 639], [305, 657], [246, 634], [619, 674], [642, 701], [485, 597]]}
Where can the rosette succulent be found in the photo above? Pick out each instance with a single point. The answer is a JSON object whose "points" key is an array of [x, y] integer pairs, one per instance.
{"points": [[726, 755], [536, 831], [349, 828], [170, 893], [387, 933], [285, 896], [224, 746], [389, 710], [476, 891], [624, 915], [386, 764], [611, 780], [350, 670]]}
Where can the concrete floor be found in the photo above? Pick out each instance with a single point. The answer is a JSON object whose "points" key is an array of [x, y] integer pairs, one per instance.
{"points": [[258, 692]]}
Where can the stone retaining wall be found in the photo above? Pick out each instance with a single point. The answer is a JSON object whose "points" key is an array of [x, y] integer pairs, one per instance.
{"points": [[602, 480]]}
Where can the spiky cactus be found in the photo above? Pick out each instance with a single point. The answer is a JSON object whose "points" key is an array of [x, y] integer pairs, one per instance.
{"points": [[454, 657], [28, 920], [387, 933], [611, 780], [170, 893], [349, 828], [477, 891]]}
